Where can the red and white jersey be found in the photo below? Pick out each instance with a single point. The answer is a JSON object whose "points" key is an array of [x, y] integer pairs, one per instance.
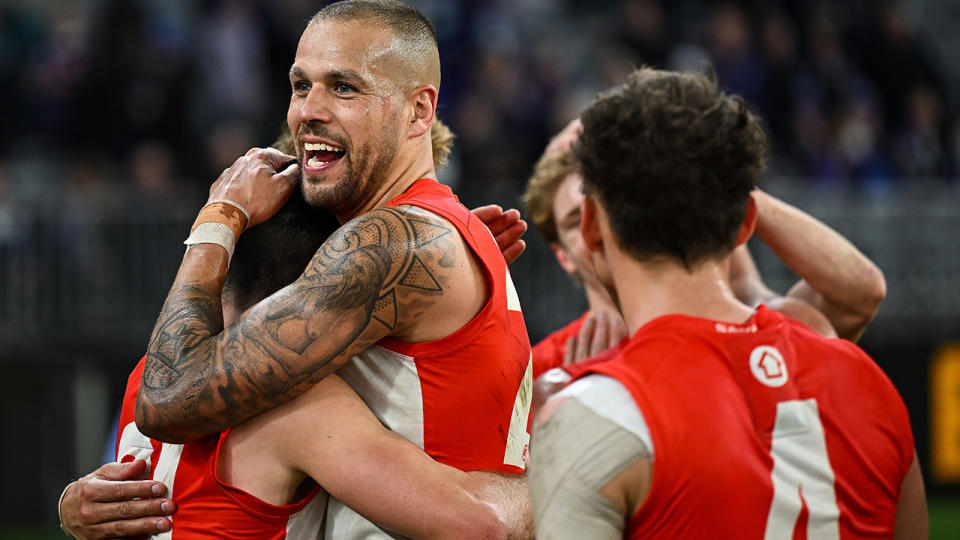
{"points": [[763, 430], [206, 506], [465, 398], [549, 352]]}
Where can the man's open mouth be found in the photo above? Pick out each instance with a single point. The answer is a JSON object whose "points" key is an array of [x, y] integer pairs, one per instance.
{"points": [[319, 154]]}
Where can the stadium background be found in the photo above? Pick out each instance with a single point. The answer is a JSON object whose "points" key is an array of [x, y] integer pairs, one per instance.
{"points": [[115, 115]]}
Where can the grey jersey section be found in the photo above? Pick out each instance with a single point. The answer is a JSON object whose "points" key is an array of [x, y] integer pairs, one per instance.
{"points": [[587, 440], [608, 398]]}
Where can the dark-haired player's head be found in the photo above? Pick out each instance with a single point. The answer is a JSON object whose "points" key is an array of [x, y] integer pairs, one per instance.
{"points": [[273, 254], [672, 161], [364, 87]]}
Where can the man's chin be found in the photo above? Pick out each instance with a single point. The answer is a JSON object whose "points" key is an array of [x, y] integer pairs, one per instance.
{"points": [[319, 195]]}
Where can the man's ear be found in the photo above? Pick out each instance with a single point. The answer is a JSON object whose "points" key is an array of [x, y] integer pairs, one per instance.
{"points": [[749, 222], [590, 224], [563, 258], [424, 106]]}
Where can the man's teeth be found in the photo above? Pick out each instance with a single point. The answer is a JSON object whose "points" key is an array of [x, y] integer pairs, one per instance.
{"points": [[314, 162], [321, 146]]}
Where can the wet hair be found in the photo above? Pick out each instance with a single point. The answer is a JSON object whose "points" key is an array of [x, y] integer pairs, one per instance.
{"points": [[548, 174], [406, 23], [672, 160], [273, 254]]}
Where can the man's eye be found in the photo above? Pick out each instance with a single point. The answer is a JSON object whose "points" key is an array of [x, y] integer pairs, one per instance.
{"points": [[343, 88], [301, 86]]}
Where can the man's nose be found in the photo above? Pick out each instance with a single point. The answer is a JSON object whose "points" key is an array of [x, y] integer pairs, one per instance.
{"points": [[315, 108]]}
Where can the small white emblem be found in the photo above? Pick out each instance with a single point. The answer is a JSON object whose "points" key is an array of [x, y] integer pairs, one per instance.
{"points": [[768, 366]]}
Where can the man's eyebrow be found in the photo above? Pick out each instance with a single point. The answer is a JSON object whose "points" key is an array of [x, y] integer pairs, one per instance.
{"points": [[337, 74], [346, 75]]}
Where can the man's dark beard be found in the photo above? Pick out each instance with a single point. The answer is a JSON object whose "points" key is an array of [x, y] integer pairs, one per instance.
{"points": [[351, 191]]}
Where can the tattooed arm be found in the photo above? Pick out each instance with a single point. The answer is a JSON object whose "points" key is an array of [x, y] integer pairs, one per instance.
{"points": [[402, 271]]}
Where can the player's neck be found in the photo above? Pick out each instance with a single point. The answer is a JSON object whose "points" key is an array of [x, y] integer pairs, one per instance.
{"points": [[598, 300], [402, 174], [650, 290]]}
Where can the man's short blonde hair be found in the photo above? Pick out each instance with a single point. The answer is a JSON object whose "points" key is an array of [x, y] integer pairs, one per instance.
{"points": [[441, 138], [549, 172]]}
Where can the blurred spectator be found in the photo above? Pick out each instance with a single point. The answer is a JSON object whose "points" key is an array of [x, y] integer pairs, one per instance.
{"points": [[847, 90]]}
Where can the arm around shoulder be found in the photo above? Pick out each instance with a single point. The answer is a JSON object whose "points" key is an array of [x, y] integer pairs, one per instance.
{"points": [[388, 479], [200, 379]]}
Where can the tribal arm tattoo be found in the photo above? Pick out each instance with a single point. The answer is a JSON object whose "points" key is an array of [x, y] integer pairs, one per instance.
{"points": [[372, 277]]}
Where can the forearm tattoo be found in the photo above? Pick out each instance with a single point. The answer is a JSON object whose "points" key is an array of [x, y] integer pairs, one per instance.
{"points": [[371, 276]]}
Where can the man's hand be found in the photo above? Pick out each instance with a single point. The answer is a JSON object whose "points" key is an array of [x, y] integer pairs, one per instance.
{"points": [[258, 182], [600, 331], [113, 502], [506, 227]]}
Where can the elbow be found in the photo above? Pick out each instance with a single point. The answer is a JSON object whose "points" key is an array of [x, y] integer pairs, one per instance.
{"points": [[154, 424], [874, 293], [878, 290], [485, 521], [489, 525]]}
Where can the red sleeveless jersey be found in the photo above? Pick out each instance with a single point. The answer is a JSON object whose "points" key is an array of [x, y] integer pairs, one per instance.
{"points": [[206, 506], [763, 430], [465, 398]]}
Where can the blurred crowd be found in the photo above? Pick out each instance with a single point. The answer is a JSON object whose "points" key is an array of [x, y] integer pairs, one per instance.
{"points": [[109, 105]]}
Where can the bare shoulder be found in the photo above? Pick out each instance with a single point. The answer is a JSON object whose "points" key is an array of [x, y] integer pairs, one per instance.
{"points": [[438, 283]]}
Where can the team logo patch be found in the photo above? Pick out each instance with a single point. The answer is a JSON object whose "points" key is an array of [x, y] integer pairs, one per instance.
{"points": [[768, 366]]}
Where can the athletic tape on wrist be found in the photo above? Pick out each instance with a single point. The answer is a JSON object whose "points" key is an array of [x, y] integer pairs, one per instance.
{"points": [[212, 232], [231, 203], [226, 212]]}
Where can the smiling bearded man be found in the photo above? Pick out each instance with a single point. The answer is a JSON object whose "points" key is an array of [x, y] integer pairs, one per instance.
{"points": [[411, 297]]}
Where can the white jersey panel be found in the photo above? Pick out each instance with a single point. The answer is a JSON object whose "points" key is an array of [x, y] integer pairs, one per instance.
{"points": [[388, 383], [305, 524]]}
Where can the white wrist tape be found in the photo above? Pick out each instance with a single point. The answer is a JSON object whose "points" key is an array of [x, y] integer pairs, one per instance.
{"points": [[212, 232]]}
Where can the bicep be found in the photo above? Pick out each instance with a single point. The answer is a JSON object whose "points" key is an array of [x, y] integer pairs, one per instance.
{"points": [[847, 324], [805, 313]]}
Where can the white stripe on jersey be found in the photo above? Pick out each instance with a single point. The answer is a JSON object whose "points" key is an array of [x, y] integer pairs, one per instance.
{"points": [[389, 384]]}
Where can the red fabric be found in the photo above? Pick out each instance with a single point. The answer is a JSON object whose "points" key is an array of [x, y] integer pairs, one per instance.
{"points": [[470, 379], [576, 369], [206, 507], [711, 420], [549, 352]]}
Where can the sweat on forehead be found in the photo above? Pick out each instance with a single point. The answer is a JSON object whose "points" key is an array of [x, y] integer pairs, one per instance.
{"points": [[413, 43]]}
